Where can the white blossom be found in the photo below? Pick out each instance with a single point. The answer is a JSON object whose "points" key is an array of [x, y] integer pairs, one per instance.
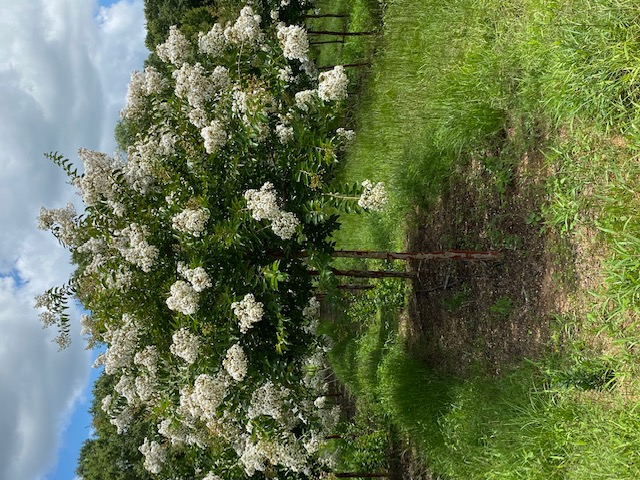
{"points": [[269, 400], [154, 82], [126, 387], [285, 74], [333, 84], [122, 420], [213, 42], [211, 476], [198, 117], [183, 298], [62, 222], [185, 345], [235, 362], [246, 29], [98, 180], [191, 221], [148, 358], [214, 136], [252, 458], [305, 98], [346, 136], [175, 49], [154, 455], [284, 225], [146, 387], [122, 343], [295, 44], [263, 203], [135, 249], [208, 394], [193, 84], [197, 277], [374, 197], [248, 312], [312, 309], [284, 133]]}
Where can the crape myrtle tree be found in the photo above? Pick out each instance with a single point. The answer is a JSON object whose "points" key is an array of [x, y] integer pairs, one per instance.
{"points": [[193, 253]]}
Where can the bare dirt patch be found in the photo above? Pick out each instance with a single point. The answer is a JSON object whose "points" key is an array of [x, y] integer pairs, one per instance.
{"points": [[488, 315]]}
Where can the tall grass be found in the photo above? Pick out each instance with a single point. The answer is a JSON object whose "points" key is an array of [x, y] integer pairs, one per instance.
{"points": [[487, 81]]}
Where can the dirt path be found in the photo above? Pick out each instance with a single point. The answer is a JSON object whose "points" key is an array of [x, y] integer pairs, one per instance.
{"points": [[486, 315]]}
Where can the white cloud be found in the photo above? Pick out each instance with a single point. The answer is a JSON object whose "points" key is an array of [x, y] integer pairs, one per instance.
{"points": [[64, 69]]}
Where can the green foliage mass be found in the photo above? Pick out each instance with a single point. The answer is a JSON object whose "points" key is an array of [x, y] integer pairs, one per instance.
{"points": [[107, 455]]}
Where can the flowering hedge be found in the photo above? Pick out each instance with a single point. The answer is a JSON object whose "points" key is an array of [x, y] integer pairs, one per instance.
{"points": [[193, 252]]}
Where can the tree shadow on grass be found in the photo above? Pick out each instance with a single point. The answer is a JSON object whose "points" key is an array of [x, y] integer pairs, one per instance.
{"points": [[487, 315]]}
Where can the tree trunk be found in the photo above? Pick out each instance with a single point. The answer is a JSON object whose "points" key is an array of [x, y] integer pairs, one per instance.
{"points": [[361, 475], [340, 34], [369, 273], [326, 41], [437, 255], [356, 287], [361, 64], [327, 15]]}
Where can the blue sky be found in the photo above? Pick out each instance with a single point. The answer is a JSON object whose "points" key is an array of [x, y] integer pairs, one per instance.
{"points": [[64, 70]]}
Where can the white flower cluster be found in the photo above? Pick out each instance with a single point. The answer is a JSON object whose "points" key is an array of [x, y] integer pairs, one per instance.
{"points": [[191, 221], [185, 430], [183, 298], [122, 420], [248, 312], [175, 49], [211, 476], [207, 395], [196, 86], [284, 225], [252, 458], [213, 42], [305, 99], [154, 455], [215, 136], [285, 74], [148, 358], [139, 169], [235, 362], [185, 345], [97, 180], [122, 343], [62, 222], [269, 400], [246, 30], [154, 82], [252, 107], [295, 44], [87, 324], [146, 388], [286, 451], [136, 93], [197, 277], [263, 203], [346, 136], [311, 314], [374, 197], [121, 280], [198, 117], [333, 84], [133, 246], [284, 133], [126, 387]]}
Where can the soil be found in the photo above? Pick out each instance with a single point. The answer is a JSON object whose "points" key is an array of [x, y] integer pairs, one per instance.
{"points": [[467, 315]]}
